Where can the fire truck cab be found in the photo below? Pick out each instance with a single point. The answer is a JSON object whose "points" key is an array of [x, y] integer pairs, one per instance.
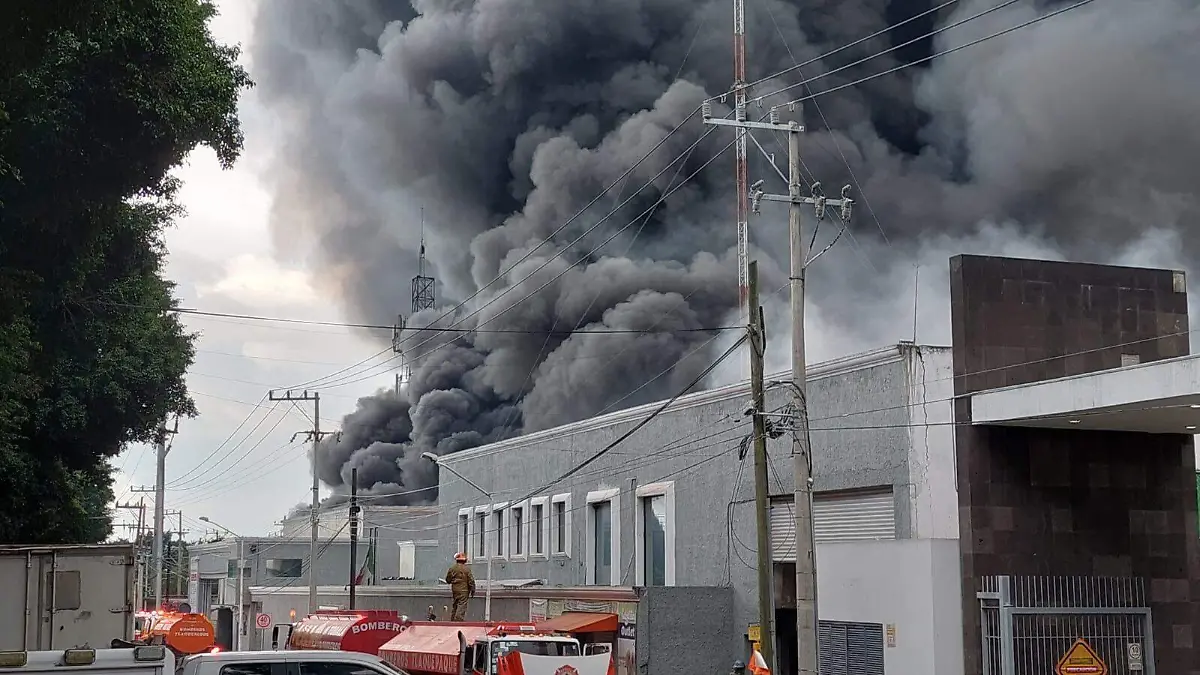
{"points": [[463, 648]]}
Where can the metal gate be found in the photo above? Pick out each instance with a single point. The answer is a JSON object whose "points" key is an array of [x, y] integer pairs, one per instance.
{"points": [[1029, 623]]}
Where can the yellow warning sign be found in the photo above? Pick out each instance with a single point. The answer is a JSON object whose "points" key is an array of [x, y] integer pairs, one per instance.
{"points": [[1081, 659]]}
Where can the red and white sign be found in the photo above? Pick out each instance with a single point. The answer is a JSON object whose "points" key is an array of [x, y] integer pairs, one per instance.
{"points": [[263, 621], [361, 631]]}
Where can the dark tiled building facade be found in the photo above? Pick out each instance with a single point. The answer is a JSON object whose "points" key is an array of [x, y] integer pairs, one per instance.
{"points": [[1050, 502]]}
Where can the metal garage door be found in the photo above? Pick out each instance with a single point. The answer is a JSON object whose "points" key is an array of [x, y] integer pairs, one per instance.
{"points": [[854, 516], [851, 648]]}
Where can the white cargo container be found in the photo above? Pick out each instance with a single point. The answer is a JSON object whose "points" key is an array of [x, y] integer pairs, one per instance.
{"points": [[73, 596]]}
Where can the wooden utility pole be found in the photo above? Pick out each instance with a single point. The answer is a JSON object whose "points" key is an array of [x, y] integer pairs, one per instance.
{"points": [[806, 570], [315, 436], [353, 534], [762, 505]]}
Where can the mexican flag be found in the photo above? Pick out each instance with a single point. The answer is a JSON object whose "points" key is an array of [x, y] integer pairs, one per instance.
{"points": [[366, 575]]}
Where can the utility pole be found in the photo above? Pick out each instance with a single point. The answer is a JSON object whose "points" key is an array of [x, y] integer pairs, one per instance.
{"points": [[180, 573], [315, 436], [743, 170], [353, 534], [161, 448], [806, 570], [762, 506], [141, 571]]}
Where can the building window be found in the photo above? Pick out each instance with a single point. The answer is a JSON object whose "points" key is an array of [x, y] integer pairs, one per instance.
{"points": [[518, 531], [560, 525], [481, 532], [539, 526], [603, 555], [654, 522], [231, 570], [284, 568], [464, 530], [499, 530]]}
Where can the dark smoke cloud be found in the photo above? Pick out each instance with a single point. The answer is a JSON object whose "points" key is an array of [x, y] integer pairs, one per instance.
{"points": [[502, 118]]}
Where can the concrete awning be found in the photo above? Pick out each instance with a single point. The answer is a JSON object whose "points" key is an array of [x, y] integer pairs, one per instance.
{"points": [[1160, 397]]}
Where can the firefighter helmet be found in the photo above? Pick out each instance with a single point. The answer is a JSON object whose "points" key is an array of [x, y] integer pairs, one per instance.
{"points": [[460, 557]]}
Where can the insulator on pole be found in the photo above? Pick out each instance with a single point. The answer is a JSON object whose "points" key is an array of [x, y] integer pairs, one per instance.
{"points": [[774, 115], [706, 109]]}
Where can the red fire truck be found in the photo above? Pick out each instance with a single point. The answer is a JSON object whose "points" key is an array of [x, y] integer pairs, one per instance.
{"points": [[463, 648], [357, 630]]}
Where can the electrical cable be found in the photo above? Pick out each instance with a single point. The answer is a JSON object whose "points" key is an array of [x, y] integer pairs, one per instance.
{"points": [[228, 438], [516, 331], [564, 271], [944, 52], [185, 483], [827, 54]]}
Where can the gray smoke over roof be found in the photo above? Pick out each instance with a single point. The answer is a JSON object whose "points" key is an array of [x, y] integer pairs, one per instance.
{"points": [[1074, 136]]}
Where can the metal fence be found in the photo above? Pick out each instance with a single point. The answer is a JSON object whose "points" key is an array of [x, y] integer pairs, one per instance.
{"points": [[1030, 623]]}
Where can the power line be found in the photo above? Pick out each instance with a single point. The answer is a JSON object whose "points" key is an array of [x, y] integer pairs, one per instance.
{"points": [[558, 276], [827, 54], [344, 324], [944, 52]]}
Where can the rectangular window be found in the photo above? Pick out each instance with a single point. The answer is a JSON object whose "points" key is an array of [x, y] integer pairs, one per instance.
{"points": [[481, 534], [538, 527], [516, 529], [231, 569], [602, 542], [603, 554], [285, 568], [654, 522], [498, 531], [654, 538], [464, 531], [560, 525]]}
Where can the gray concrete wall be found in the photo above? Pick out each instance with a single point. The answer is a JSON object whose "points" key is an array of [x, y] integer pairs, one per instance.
{"points": [[859, 414], [684, 630]]}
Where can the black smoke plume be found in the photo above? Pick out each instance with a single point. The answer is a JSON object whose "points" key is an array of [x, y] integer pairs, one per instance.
{"points": [[1073, 136]]}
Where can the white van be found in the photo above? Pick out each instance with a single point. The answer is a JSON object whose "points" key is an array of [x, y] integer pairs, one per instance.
{"points": [[143, 660], [287, 662]]}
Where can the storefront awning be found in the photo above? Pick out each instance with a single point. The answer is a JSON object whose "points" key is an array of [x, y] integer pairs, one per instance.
{"points": [[581, 622]]}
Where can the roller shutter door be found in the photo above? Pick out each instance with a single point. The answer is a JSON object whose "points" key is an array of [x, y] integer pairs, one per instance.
{"points": [[850, 648], [857, 516]]}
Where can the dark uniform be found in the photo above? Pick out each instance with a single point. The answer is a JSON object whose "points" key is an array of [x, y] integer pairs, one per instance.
{"points": [[462, 588]]}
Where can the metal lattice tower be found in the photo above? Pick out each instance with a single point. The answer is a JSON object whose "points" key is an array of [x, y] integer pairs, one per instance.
{"points": [[422, 286]]}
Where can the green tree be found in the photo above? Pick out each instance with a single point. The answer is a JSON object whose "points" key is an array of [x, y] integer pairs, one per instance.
{"points": [[99, 101]]}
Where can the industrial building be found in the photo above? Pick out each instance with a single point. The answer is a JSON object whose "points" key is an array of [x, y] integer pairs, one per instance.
{"points": [[978, 508], [281, 561], [673, 507]]}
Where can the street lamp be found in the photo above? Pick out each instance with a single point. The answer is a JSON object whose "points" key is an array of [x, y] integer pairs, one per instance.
{"points": [[241, 567], [487, 592]]}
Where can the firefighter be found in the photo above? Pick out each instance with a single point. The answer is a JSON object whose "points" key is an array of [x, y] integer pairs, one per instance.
{"points": [[462, 586]]}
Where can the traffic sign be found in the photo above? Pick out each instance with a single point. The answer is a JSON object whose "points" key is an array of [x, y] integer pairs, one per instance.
{"points": [[1134, 653], [1081, 659], [263, 621]]}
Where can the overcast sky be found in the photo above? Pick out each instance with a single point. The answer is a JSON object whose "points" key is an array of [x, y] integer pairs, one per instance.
{"points": [[222, 258], [246, 476]]}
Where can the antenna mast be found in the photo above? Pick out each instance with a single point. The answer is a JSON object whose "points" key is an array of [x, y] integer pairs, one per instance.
{"points": [[422, 299], [422, 286], [743, 171]]}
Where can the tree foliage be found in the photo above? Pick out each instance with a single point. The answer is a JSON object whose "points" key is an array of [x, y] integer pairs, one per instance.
{"points": [[99, 101]]}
